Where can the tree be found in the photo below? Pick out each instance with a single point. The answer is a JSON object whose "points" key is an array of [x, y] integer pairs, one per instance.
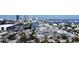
{"points": [[67, 40], [45, 40], [36, 40], [23, 37], [4, 40], [32, 35], [63, 36], [58, 37], [75, 38], [12, 37]]}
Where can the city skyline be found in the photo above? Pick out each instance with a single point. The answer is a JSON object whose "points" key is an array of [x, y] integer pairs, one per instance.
{"points": [[43, 16]]}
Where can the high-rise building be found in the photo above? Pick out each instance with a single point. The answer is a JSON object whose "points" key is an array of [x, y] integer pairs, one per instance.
{"points": [[17, 17]]}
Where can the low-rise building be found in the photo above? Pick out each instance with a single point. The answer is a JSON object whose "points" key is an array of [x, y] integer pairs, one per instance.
{"points": [[4, 27]]}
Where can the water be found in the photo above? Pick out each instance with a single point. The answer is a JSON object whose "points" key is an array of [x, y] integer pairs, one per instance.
{"points": [[64, 22], [34, 25]]}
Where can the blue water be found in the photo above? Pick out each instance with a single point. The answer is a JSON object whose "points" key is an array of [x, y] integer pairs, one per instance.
{"points": [[64, 22], [34, 25]]}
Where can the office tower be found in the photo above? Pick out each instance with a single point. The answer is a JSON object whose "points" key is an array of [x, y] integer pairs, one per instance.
{"points": [[17, 17]]}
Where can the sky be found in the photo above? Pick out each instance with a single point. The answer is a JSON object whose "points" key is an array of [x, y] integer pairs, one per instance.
{"points": [[43, 16]]}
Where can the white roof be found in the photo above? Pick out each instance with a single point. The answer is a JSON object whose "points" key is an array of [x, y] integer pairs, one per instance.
{"points": [[3, 33], [1, 19], [40, 35], [65, 32], [6, 25], [76, 28], [61, 31]]}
